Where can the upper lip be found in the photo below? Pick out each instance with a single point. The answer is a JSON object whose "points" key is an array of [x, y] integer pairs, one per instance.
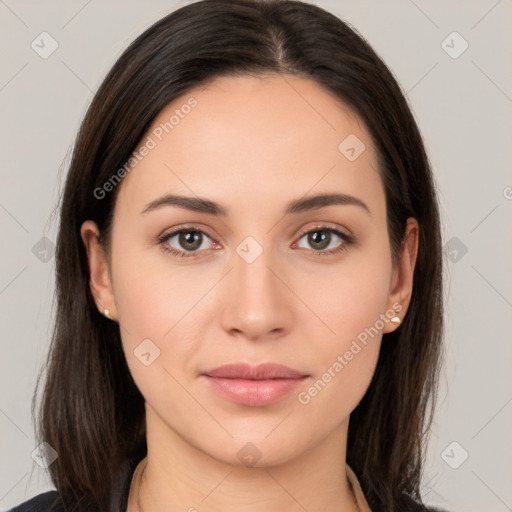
{"points": [[251, 372]]}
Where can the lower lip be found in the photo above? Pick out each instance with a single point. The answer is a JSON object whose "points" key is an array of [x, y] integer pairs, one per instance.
{"points": [[254, 392]]}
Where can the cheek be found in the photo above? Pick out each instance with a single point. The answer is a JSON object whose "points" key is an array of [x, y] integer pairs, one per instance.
{"points": [[148, 313], [352, 296], [156, 307], [152, 296], [352, 304]]}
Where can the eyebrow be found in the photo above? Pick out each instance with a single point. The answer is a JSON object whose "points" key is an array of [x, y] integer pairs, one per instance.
{"points": [[201, 205]]}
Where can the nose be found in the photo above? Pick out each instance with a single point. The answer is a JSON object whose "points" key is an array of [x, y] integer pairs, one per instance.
{"points": [[258, 305]]}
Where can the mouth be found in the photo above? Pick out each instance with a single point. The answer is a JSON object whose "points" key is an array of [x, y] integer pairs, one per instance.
{"points": [[254, 386]]}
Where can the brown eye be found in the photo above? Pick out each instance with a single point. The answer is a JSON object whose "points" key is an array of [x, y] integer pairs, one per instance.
{"points": [[185, 242], [319, 240], [325, 241], [190, 240]]}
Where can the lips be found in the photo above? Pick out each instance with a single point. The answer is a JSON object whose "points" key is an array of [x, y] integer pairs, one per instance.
{"points": [[254, 386], [261, 372]]}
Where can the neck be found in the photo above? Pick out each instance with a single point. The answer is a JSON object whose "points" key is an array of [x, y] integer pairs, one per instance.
{"points": [[175, 475]]}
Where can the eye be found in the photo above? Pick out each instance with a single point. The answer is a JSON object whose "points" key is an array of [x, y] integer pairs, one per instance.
{"points": [[185, 242], [325, 241], [189, 242]]}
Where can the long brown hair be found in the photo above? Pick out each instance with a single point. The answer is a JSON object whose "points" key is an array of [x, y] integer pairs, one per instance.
{"points": [[91, 411]]}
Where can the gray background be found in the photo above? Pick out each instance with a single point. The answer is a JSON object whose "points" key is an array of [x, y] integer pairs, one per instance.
{"points": [[464, 108]]}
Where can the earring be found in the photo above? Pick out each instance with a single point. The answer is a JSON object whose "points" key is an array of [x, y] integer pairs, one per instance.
{"points": [[396, 320], [106, 313]]}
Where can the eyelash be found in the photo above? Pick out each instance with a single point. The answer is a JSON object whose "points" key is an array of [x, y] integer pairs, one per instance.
{"points": [[347, 240]]}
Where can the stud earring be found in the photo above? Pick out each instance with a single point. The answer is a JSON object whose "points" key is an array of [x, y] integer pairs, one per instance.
{"points": [[396, 320], [106, 313]]}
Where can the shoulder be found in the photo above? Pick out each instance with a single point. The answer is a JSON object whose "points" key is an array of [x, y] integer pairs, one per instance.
{"points": [[413, 506], [405, 504], [45, 502]]}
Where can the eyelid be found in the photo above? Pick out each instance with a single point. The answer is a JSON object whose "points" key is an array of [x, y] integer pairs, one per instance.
{"points": [[346, 237], [325, 226], [174, 231], [162, 239]]}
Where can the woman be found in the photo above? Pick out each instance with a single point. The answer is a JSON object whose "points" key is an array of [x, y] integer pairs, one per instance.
{"points": [[250, 208]]}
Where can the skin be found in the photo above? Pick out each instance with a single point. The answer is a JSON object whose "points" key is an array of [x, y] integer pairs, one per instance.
{"points": [[252, 144]]}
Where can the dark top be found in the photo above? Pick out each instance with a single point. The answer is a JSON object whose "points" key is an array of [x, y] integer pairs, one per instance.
{"points": [[50, 501], [40, 503], [44, 502]]}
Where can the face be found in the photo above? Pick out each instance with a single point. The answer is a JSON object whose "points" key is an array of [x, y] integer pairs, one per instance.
{"points": [[252, 269]]}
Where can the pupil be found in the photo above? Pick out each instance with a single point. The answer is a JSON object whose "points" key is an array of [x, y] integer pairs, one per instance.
{"points": [[190, 239], [320, 237]]}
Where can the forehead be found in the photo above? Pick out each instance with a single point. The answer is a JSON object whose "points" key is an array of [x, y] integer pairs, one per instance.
{"points": [[272, 136]]}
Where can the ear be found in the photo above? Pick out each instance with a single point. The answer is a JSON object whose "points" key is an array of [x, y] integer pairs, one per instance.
{"points": [[403, 274], [100, 281]]}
